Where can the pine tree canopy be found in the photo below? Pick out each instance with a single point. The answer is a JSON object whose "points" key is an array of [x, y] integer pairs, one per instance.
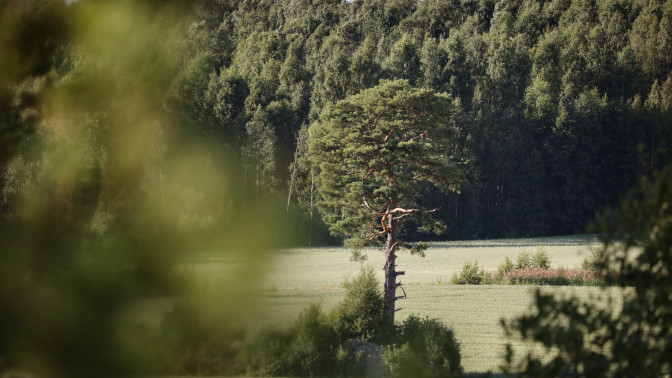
{"points": [[376, 150]]}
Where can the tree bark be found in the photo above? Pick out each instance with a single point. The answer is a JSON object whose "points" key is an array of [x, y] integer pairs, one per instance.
{"points": [[389, 292]]}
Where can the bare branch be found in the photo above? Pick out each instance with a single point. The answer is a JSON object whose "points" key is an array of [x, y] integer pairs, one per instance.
{"points": [[378, 212], [366, 203], [402, 216], [421, 136], [402, 210], [388, 136], [410, 211], [419, 175]]}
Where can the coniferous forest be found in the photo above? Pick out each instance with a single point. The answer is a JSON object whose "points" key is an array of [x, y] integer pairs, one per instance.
{"points": [[560, 104]]}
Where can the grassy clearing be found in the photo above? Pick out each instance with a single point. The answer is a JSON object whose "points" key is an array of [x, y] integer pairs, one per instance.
{"points": [[294, 278], [300, 276], [321, 268]]}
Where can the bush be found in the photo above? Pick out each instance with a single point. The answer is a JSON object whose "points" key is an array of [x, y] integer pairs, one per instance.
{"points": [[400, 361], [524, 260], [432, 343], [470, 275], [541, 259], [505, 267], [595, 258], [349, 364], [586, 339], [527, 260], [360, 315], [312, 346], [307, 348], [540, 276]]}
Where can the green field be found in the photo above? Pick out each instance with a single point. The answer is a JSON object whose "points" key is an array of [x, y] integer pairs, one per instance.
{"points": [[296, 277]]}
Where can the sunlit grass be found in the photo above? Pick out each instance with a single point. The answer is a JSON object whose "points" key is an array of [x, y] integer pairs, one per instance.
{"points": [[297, 277], [313, 268]]}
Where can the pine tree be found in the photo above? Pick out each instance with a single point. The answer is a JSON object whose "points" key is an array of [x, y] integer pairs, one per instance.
{"points": [[375, 150]]}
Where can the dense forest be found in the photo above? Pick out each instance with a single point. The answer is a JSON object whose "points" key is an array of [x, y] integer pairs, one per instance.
{"points": [[560, 104]]}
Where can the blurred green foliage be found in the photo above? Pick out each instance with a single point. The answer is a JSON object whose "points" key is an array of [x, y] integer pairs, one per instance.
{"points": [[100, 200], [588, 340]]}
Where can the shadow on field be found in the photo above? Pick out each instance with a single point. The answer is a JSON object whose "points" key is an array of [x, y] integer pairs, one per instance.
{"points": [[556, 241], [483, 375]]}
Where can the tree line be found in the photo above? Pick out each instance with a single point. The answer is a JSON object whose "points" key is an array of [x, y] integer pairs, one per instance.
{"points": [[560, 104]]}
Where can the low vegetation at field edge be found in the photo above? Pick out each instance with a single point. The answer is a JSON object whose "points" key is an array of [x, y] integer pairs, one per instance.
{"points": [[529, 269]]}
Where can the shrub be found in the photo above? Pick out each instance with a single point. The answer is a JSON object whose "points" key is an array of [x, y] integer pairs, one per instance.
{"points": [[541, 259], [505, 267], [433, 343], [349, 364], [470, 275], [312, 345], [524, 260], [595, 258], [307, 348], [400, 361], [541, 276], [360, 315]]}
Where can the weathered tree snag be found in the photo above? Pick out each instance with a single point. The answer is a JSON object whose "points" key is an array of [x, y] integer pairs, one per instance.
{"points": [[389, 293]]}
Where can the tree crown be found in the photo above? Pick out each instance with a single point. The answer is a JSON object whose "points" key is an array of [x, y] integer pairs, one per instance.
{"points": [[377, 150]]}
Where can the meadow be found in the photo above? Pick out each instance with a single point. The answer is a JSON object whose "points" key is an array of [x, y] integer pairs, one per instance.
{"points": [[293, 278]]}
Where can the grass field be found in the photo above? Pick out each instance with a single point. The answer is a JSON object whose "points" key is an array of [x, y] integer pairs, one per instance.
{"points": [[297, 277]]}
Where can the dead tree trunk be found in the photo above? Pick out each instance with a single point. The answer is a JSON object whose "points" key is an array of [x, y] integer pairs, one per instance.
{"points": [[391, 284]]}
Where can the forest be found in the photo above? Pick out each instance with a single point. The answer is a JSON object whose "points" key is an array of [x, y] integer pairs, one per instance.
{"points": [[561, 104]]}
